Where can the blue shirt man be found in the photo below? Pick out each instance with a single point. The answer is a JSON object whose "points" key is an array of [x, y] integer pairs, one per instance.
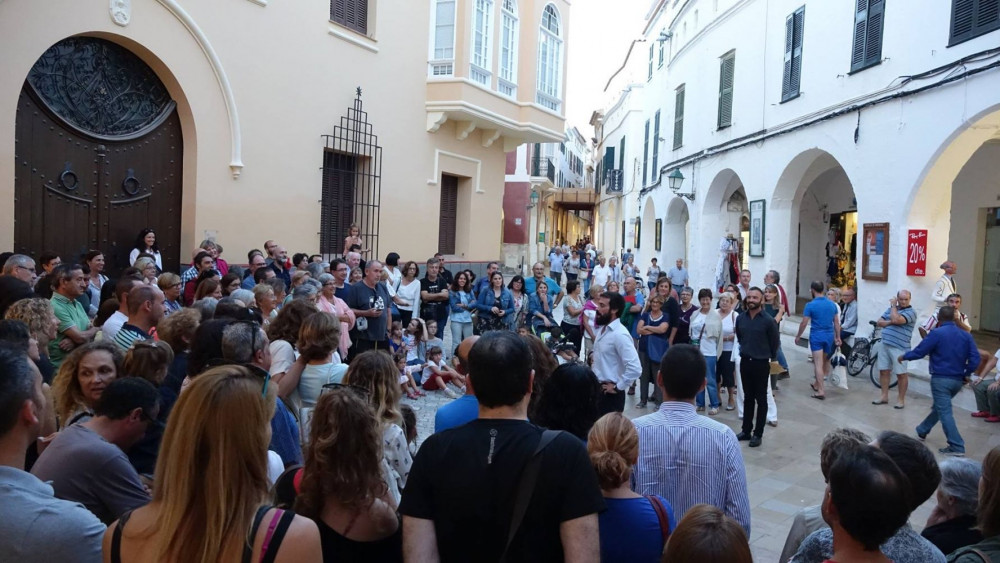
{"points": [[824, 322], [531, 284], [953, 357], [466, 407]]}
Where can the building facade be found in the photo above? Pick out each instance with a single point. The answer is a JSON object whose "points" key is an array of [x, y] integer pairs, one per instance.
{"points": [[250, 120], [547, 199], [815, 136]]}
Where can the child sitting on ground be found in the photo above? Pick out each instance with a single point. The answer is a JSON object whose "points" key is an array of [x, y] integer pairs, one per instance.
{"points": [[437, 374], [406, 376], [432, 340]]}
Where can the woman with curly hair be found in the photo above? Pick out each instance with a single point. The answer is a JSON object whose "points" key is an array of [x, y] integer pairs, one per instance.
{"points": [[82, 378], [375, 371], [341, 489], [283, 333], [210, 502], [42, 323], [317, 343], [145, 243], [569, 400]]}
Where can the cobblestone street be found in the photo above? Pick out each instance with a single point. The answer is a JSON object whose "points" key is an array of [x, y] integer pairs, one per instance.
{"points": [[784, 474]]}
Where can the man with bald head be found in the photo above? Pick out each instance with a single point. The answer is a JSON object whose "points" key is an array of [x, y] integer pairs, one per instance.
{"points": [[466, 407], [897, 330], [538, 276]]}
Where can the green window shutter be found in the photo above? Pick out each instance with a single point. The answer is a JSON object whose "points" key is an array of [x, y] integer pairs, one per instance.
{"points": [[792, 74], [972, 18], [679, 117], [727, 70], [868, 24], [656, 145], [660, 57], [621, 154], [645, 154], [609, 162], [651, 48]]}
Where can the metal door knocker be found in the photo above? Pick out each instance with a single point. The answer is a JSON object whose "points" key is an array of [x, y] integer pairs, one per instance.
{"points": [[130, 185], [68, 178]]}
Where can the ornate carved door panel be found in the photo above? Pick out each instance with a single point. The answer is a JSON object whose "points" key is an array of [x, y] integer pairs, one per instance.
{"points": [[98, 149]]}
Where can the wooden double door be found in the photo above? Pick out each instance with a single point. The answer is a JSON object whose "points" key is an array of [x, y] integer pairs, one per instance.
{"points": [[98, 156]]}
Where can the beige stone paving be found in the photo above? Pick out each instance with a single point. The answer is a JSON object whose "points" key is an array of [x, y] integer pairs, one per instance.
{"points": [[783, 475]]}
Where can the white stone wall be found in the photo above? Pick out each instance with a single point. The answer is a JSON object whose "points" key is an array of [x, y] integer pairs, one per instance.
{"points": [[902, 168]]}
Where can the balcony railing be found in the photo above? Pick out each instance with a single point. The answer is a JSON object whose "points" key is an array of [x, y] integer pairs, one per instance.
{"points": [[480, 75], [506, 88], [543, 166], [547, 101]]}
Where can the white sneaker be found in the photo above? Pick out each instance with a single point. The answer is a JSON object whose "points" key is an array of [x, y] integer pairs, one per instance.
{"points": [[450, 394]]}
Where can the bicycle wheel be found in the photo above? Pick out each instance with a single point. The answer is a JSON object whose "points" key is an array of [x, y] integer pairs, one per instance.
{"points": [[873, 374], [859, 357]]}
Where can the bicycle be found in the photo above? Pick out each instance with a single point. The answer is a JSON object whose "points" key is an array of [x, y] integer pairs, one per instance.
{"points": [[862, 356]]}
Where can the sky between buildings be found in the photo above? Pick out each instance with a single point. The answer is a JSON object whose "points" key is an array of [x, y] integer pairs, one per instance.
{"points": [[599, 36]]}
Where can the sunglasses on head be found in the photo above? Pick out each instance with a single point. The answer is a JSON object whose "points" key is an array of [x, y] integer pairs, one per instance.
{"points": [[255, 329]]}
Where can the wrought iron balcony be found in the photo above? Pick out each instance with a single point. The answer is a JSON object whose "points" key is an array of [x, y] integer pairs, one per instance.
{"points": [[543, 166]]}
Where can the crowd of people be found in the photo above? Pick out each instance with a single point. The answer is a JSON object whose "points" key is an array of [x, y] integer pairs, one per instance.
{"points": [[223, 413]]}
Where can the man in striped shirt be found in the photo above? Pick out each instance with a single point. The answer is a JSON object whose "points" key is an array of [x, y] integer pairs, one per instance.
{"points": [[145, 309], [686, 458]]}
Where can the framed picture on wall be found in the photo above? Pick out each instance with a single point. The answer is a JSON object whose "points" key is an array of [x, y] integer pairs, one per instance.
{"points": [[757, 228], [875, 252], [658, 234]]}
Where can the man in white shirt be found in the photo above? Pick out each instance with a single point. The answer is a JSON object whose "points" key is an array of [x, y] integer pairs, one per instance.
{"points": [[616, 362], [114, 323], [601, 273], [744, 284], [556, 259]]}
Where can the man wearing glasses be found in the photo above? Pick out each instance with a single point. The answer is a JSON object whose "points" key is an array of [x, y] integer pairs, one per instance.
{"points": [[86, 462], [341, 270], [17, 280], [257, 262], [244, 342]]}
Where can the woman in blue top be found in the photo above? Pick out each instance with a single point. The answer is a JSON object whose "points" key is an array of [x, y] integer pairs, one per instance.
{"points": [[462, 304], [653, 327], [495, 304], [634, 528], [540, 309]]}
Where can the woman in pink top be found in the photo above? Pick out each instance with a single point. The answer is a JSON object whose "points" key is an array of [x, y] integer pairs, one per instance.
{"points": [[328, 302]]}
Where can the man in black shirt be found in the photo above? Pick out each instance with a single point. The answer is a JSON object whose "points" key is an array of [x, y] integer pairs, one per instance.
{"points": [[434, 296], [467, 516], [369, 300], [758, 336]]}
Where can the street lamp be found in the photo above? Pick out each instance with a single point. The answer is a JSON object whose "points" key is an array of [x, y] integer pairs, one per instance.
{"points": [[534, 199], [676, 179]]}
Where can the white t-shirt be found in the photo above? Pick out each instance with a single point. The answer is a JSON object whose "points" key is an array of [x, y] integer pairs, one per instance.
{"points": [[411, 293], [394, 278], [707, 344], [112, 325], [728, 329], [427, 370], [282, 356], [601, 274]]}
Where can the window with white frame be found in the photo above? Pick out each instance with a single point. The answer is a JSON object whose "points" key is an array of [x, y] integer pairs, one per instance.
{"points": [[507, 84], [482, 38], [443, 46], [550, 60]]}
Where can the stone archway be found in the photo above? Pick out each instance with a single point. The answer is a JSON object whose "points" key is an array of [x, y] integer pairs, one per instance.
{"points": [[647, 234], [957, 202], [675, 233], [818, 197]]}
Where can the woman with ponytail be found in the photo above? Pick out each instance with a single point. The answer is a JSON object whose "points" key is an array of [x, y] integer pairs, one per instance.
{"points": [[634, 528]]}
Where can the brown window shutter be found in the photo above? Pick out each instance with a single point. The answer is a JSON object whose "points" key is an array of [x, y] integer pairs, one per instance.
{"points": [[447, 220]]}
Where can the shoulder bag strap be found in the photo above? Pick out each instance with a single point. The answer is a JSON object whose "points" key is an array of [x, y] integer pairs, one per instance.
{"points": [[526, 488], [248, 544], [116, 538], [275, 533], [661, 515]]}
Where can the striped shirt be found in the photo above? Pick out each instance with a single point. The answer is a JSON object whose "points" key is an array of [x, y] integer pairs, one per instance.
{"points": [[128, 335], [690, 459], [898, 336]]}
